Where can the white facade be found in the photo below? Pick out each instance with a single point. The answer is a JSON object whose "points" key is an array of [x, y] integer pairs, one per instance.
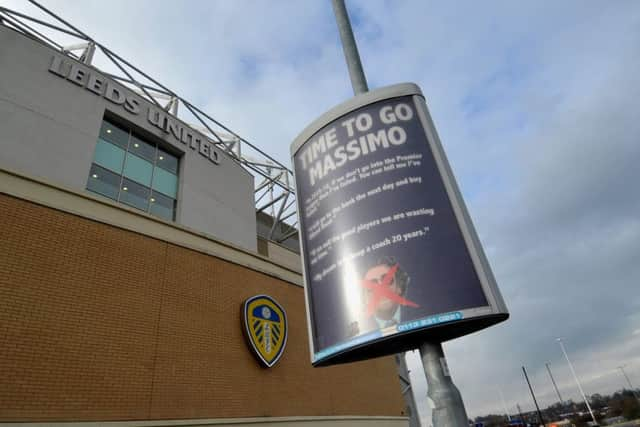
{"points": [[51, 111]]}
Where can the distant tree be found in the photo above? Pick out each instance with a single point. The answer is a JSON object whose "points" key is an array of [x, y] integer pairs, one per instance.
{"points": [[630, 408], [598, 401], [622, 402], [615, 405]]}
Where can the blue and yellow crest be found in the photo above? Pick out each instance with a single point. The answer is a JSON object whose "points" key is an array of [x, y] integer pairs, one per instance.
{"points": [[265, 325]]}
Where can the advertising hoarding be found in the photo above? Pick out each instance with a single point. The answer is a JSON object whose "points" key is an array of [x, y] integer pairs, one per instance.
{"points": [[390, 256]]}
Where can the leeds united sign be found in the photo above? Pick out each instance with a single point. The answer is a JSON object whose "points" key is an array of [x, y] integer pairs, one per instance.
{"points": [[111, 91]]}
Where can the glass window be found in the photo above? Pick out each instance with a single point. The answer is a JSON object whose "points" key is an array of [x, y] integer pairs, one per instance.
{"points": [[114, 134], [142, 149], [138, 170], [109, 156], [134, 172], [167, 161], [162, 206], [133, 194], [103, 182], [165, 182]]}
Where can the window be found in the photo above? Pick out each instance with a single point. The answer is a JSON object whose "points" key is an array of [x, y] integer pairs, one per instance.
{"points": [[135, 172]]}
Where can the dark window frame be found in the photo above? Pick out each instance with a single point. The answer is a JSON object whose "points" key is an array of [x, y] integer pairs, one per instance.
{"points": [[157, 148]]}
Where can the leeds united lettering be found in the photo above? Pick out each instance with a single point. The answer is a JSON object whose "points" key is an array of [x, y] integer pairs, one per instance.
{"points": [[115, 93]]}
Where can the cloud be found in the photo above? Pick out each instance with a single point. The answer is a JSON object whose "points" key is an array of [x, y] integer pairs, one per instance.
{"points": [[562, 232]]}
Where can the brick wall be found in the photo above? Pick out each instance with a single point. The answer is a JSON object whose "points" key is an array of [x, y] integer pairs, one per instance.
{"points": [[99, 323]]}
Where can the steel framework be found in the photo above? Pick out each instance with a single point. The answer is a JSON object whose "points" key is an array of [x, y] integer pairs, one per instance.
{"points": [[274, 192]]}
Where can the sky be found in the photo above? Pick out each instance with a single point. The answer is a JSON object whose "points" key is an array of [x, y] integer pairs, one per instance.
{"points": [[536, 104]]}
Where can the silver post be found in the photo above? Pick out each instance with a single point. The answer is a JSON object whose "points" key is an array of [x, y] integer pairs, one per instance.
{"points": [[359, 84], [89, 52], [577, 381], [351, 55], [554, 383], [448, 409], [174, 106], [633, 390], [504, 404], [445, 399], [520, 413]]}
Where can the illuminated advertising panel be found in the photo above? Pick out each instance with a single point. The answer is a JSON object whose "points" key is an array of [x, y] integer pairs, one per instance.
{"points": [[390, 255]]}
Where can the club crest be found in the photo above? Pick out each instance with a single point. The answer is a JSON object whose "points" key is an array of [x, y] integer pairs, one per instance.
{"points": [[265, 326]]}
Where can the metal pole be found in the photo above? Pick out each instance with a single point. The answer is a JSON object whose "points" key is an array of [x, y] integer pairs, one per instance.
{"points": [[520, 412], [526, 377], [504, 404], [446, 402], [554, 383], [576, 378], [448, 408], [351, 55], [359, 84], [407, 391], [633, 390], [89, 52]]}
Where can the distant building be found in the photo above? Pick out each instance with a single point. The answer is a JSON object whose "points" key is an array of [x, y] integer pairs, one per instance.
{"points": [[129, 242]]}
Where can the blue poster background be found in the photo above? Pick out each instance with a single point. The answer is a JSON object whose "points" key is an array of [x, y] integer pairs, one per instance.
{"points": [[436, 259]]}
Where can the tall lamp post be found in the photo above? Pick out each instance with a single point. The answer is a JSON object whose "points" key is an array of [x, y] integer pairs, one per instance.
{"points": [[504, 404], [576, 378], [535, 401], [360, 86], [554, 384], [633, 390], [447, 405]]}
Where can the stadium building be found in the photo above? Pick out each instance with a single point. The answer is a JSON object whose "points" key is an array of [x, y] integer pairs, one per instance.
{"points": [[130, 238]]}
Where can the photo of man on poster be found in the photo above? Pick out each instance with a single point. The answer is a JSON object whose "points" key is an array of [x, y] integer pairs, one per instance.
{"points": [[384, 286]]}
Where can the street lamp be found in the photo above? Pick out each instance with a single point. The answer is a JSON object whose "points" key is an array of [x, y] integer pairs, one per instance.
{"points": [[633, 390], [577, 381], [504, 404], [554, 384]]}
